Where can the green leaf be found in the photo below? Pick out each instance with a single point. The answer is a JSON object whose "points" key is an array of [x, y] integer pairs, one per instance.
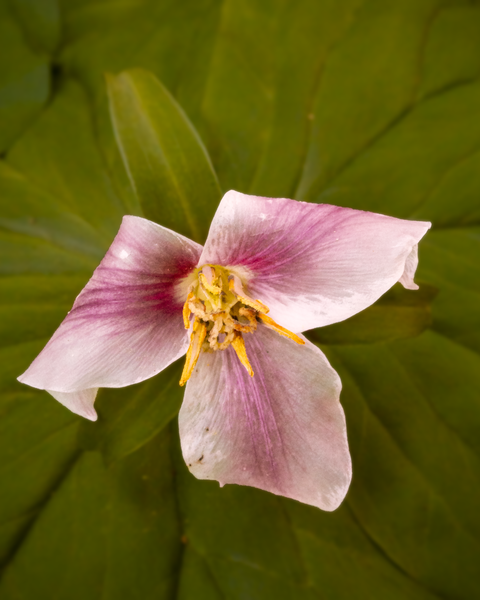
{"points": [[398, 314], [407, 451], [41, 21], [365, 103], [166, 161], [35, 454], [119, 535], [32, 306], [400, 170], [131, 417], [230, 531], [343, 561], [174, 40], [24, 81], [353, 106], [449, 261], [78, 546], [37, 214], [196, 578], [255, 76], [60, 155], [452, 54]]}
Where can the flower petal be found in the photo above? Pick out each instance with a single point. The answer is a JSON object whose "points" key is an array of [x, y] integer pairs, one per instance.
{"points": [[312, 264], [411, 265], [80, 403], [126, 325], [282, 430]]}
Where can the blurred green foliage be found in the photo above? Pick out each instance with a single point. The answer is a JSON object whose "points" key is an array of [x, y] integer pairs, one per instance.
{"points": [[372, 104]]}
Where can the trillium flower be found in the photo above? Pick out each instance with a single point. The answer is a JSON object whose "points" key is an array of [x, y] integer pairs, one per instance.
{"points": [[261, 405]]}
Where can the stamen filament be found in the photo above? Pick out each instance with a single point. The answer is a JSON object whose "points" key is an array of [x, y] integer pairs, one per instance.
{"points": [[236, 287], [196, 340], [210, 287], [186, 311], [270, 323], [239, 347]]}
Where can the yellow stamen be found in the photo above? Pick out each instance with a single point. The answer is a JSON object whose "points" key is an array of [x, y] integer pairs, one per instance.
{"points": [[196, 340], [227, 341], [270, 323], [210, 287], [210, 273], [239, 347], [222, 312], [235, 286], [216, 329], [248, 314], [238, 326], [187, 311]]}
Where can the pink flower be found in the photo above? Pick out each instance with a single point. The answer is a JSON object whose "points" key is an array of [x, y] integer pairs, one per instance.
{"points": [[261, 406]]}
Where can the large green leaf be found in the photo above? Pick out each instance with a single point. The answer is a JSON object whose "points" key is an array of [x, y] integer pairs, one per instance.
{"points": [[24, 80], [404, 495], [40, 19], [169, 168], [398, 314], [119, 536], [131, 417], [363, 103]]}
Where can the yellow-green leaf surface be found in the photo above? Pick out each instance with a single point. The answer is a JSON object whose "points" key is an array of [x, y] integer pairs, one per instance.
{"points": [[168, 166], [24, 79], [151, 108]]}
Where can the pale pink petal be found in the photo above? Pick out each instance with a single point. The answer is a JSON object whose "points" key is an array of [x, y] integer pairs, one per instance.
{"points": [[282, 430], [80, 403], [408, 274], [126, 325], [311, 264]]}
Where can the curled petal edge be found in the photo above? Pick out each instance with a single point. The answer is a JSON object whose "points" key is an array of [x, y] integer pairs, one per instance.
{"points": [[80, 403]]}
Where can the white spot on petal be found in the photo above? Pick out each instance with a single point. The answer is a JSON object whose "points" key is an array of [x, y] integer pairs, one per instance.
{"points": [[124, 254]]}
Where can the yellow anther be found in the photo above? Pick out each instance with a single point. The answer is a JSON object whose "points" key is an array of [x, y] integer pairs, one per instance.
{"points": [[222, 312], [235, 286], [249, 323], [210, 273], [218, 322], [239, 347], [196, 340], [249, 314], [187, 311], [270, 323], [236, 326], [210, 287]]}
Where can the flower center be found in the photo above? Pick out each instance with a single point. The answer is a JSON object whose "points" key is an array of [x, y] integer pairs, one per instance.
{"points": [[222, 312]]}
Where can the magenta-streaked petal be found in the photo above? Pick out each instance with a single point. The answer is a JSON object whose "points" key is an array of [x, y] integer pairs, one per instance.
{"points": [[311, 264], [282, 430], [80, 403], [126, 325]]}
